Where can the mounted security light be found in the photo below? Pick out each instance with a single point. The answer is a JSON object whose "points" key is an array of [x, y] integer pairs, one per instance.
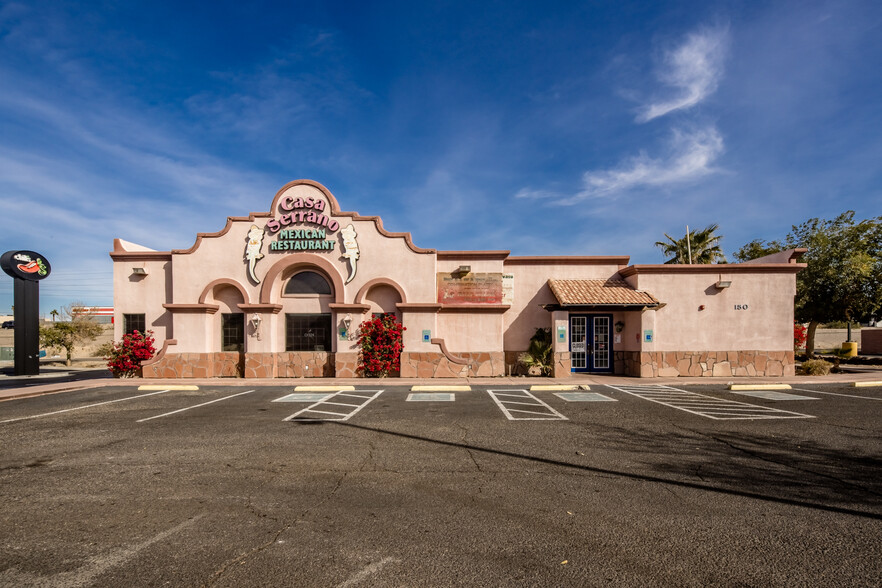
{"points": [[139, 271], [723, 284], [255, 324], [462, 270]]}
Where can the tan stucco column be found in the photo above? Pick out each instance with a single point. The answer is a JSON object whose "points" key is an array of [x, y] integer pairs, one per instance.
{"points": [[560, 341]]}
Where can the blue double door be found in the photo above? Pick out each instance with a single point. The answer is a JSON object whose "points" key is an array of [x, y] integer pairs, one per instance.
{"points": [[591, 343]]}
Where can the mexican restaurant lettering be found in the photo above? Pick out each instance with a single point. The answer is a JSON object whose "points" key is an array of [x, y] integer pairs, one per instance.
{"points": [[302, 211], [300, 225]]}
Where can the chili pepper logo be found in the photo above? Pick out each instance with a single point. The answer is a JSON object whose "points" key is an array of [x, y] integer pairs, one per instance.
{"points": [[34, 267], [29, 268]]}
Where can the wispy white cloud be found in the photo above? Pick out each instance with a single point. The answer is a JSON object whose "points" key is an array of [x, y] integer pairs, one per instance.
{"points": [[691, 70], [689, 155]]}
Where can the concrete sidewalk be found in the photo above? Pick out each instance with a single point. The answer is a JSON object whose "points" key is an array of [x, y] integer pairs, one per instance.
{"points": [[54, 380]]}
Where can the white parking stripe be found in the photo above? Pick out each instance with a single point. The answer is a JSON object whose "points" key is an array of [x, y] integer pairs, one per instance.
{"points": [[706, 406], [837, 394], [82, 407], [194, 406]]}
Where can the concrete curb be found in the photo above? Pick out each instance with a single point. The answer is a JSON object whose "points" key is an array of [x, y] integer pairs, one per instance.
{"points": [[29, 389]]}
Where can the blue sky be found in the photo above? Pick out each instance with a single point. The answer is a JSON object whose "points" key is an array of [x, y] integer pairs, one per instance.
{"points": [[585, 128]]}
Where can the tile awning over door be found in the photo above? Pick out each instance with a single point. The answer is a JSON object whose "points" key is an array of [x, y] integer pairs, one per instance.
{"points": [[599, 294]]}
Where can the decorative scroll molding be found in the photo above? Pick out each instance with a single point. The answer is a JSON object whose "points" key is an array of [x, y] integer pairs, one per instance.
{"points": [[452, 358]]}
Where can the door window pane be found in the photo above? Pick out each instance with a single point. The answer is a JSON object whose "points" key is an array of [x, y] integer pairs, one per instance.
{"points": [[601, 342], [578, 350]]}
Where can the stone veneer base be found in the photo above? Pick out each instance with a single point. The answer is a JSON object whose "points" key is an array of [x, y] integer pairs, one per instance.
{"points": [[654, 364], [436, 365], [304, 364]]}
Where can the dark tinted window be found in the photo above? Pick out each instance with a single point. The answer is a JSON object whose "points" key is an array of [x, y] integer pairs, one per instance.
{"points": [[307, 283], [133, 322], [233, 332], [308, 332]]}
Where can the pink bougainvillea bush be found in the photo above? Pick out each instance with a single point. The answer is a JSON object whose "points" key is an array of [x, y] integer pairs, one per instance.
{"points": [[126, 356], [380, 340], [799, 335]]}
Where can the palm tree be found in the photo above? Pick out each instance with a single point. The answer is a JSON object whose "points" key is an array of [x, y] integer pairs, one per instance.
{"points": [[704, 244]]}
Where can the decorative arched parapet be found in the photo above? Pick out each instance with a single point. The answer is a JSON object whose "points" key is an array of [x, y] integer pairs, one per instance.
{"points": [[224, 282], [362, 292], [332, 202], [335, 211], [301, 260]]}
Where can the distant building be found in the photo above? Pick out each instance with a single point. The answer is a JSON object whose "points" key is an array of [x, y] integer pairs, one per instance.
{"points": [[100, 314], [281, 293]]}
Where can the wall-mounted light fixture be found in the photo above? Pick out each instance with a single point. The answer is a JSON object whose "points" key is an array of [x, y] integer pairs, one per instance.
{"points": [[139, 271], [620, 326], [462, 270], [723, 284], [255, 324]]}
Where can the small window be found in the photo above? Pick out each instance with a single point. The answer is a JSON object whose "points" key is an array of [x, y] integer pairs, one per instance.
{"points": [[308, 332], [308, 283], [233, 332], [133, 322]]}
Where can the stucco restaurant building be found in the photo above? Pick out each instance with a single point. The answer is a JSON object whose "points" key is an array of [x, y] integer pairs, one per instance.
{"points": [[281, 294]]}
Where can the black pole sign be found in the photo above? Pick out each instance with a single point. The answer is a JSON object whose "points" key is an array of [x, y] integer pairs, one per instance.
{"points": [[28, 268]]}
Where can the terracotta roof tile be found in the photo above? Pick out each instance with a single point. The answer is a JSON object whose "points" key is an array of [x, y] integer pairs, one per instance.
{"points": [[599, 292]]}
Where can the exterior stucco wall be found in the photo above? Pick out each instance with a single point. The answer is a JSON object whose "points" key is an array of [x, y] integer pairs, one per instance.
{"points": [[755, 312], [134, 294], [464, 332], [531, 289]]}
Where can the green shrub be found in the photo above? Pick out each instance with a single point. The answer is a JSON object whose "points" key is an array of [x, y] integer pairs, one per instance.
{"points": [[541, 352], [816, 367]]}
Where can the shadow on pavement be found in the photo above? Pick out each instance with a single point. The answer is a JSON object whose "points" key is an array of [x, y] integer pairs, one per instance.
{"points": [[726, 464]]}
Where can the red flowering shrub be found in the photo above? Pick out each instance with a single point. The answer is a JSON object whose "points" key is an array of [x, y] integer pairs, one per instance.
{"points": [[380, 342], [799, 334], [126, 356]]}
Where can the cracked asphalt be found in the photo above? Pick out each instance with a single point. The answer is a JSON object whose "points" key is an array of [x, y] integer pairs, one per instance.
{"points": [[630, 492]]}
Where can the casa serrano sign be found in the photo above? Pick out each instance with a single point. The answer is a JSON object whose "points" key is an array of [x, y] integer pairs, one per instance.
{"points": [[314, 226]]}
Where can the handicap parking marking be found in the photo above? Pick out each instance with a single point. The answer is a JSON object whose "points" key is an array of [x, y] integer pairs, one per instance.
{"points": [[706, 406], [431, 397], [514, 404], [773, 395], [300, 397], [327, 409], [584, 397]]}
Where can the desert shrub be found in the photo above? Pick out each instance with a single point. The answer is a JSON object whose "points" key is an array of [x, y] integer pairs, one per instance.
{"points": [[103, 350], [816, 367]]}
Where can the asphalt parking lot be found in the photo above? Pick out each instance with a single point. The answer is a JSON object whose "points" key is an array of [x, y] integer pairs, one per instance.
{"points": [[498, 486]]}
